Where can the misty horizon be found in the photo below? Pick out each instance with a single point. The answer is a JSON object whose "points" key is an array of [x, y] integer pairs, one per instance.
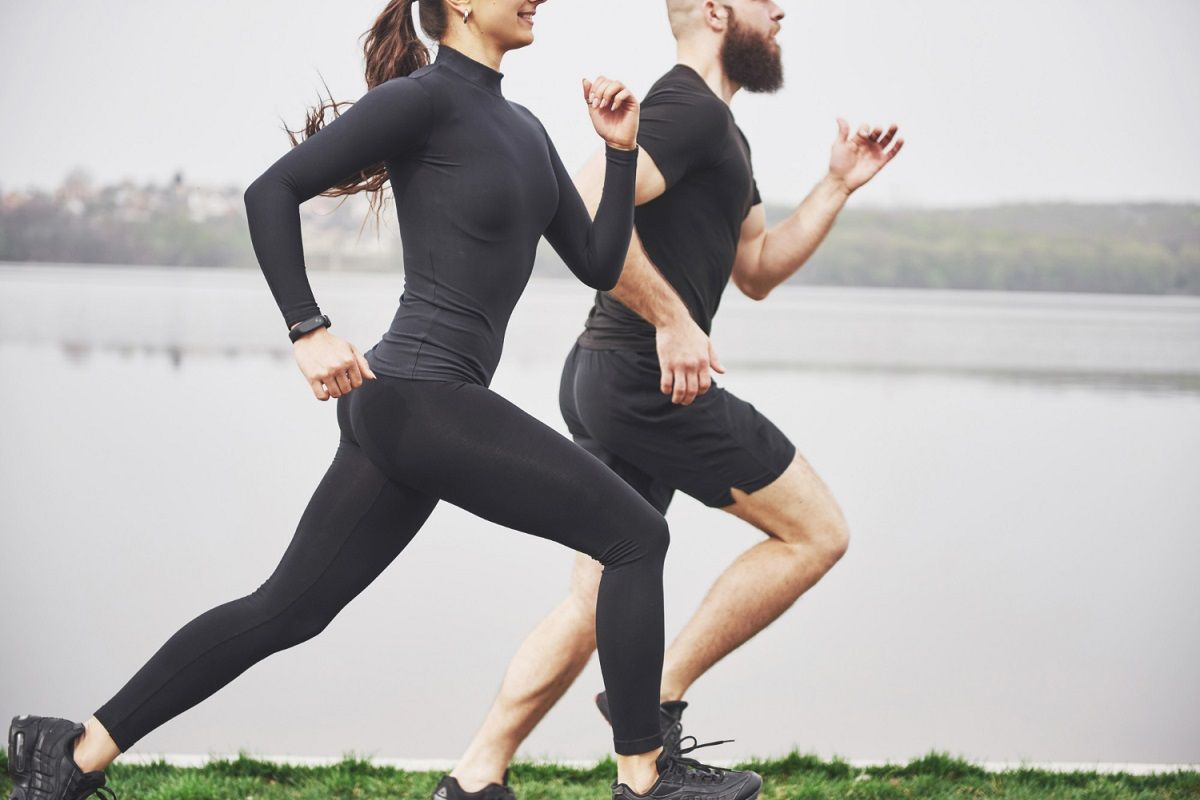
{"points": [[1067, 102]]}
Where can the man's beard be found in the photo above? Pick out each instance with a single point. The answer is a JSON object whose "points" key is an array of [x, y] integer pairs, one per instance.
{"points": [[750, 59]]}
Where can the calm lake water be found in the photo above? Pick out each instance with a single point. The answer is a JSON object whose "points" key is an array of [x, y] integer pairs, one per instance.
{"points": [[1020, 473]]}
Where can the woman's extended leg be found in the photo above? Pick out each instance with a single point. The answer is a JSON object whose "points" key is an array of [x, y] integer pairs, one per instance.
{"points": [[465, 444], [357, 522], [469, 446]]}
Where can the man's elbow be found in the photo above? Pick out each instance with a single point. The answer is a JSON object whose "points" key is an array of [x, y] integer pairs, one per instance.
{"points": [[751, 289]]}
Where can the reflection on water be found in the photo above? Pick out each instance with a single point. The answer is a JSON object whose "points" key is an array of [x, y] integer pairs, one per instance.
{"points": [[1020, 582], [1154, 383], [1105, 342]]}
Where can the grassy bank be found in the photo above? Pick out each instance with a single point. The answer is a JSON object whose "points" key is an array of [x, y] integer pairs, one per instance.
{"points": [[796, 777]]}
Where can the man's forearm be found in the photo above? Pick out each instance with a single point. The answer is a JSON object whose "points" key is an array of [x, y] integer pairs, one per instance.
{"points": [[685, 354], [643, 289], [788, 245]]}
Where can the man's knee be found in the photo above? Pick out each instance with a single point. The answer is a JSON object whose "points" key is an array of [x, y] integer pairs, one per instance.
{"points": [[807, 517], [837, 539], [797, 508], [824, 530]]}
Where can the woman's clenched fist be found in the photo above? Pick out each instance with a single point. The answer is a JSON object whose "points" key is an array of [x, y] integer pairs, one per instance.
{"points": [[333, 367]]}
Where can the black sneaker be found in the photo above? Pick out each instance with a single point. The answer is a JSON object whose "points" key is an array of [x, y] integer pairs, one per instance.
{"points": [[670, 716], [687, 779], [448, 789], [41, 761]]}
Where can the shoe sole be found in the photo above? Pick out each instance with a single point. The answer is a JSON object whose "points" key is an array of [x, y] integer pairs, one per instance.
{"points": [[750, 791]]}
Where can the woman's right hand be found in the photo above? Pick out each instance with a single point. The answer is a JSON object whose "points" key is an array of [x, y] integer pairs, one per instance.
{"points": [[614, 111], [333, 367]]}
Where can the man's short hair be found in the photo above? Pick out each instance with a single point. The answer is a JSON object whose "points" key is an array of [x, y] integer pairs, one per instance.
{"points": [[683, 15]]}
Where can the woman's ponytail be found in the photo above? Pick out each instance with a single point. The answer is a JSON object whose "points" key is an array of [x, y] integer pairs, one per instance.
{"points": [[393, 49]]}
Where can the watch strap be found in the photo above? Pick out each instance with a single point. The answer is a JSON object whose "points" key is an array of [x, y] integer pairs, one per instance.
{"points": [[308, 326]]}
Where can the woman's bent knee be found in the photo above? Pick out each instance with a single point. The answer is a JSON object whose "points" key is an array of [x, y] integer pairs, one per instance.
{"points": [[659, 535], [647, 538]]}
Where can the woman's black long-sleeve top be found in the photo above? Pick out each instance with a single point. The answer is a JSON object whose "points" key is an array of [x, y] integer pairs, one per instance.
{"points": [[477, 182]]}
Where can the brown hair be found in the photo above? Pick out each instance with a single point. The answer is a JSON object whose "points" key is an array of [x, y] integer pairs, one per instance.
{"points": [[392, 49]]}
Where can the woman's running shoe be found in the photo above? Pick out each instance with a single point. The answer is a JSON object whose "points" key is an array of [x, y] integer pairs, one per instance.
{"points": [[448, 789], [682, 778], [41, 761]]}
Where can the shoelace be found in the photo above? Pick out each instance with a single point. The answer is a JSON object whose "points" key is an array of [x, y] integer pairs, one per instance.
{"points": [[706, 773], [677, 729], [696, 745], [92, 789]]}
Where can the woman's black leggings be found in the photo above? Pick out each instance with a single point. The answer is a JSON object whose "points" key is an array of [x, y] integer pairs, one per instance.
{"points": [[405, 444]]}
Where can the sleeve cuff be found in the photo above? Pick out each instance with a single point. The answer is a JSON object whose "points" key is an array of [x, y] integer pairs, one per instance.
{"points": [[617, 154], [305, 312]]}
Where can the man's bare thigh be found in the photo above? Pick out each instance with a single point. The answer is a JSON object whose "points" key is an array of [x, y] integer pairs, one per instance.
{"points": [[796, 507]]}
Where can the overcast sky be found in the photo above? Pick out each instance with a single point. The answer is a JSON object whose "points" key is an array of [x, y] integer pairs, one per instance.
{"points": [[1088, 100]]}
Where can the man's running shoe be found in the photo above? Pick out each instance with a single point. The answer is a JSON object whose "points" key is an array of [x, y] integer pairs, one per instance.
{"points": [[448, 789], [687, 779], [41, 761], [670, 716]]}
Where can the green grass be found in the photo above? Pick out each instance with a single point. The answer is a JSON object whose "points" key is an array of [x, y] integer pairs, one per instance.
{"points": [[794, 777]]}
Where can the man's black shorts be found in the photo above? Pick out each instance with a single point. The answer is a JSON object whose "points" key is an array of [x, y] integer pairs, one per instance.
{"points": [[613, 408]]}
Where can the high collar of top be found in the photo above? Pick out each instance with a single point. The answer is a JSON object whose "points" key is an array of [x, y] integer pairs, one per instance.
{"points": [[469, 68]]}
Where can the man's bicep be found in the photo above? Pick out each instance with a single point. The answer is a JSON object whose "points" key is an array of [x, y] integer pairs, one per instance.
{"points": [[590, 180], [650, 180]]}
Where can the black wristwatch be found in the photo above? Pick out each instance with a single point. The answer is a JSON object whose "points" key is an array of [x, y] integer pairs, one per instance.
{"points": [[308, 326]]}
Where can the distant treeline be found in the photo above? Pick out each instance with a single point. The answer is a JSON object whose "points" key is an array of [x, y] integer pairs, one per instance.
{"points": [[1131, 248], [102, 230], [1061, 247]]}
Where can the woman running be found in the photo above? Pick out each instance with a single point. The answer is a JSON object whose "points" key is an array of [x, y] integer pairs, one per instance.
{"points": [[476, 182]]}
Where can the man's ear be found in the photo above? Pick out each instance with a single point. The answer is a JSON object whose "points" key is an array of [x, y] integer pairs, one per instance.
{"points": [[716, 15]]}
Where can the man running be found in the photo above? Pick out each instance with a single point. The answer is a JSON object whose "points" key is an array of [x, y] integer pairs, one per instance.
{"points": [[636, 389]]}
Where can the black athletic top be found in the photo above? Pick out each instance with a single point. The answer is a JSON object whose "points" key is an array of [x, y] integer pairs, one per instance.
{"points": [[476, 182], [691, 231]]}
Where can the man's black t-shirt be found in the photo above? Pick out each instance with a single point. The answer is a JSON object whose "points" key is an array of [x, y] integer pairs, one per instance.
{"points": [[691, 231]]}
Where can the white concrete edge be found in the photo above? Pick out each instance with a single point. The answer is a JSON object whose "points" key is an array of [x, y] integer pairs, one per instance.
{"points": [[445, 764]]}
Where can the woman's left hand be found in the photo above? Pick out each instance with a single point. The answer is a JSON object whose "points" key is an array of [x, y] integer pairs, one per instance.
{"points": [[614, 111]]}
